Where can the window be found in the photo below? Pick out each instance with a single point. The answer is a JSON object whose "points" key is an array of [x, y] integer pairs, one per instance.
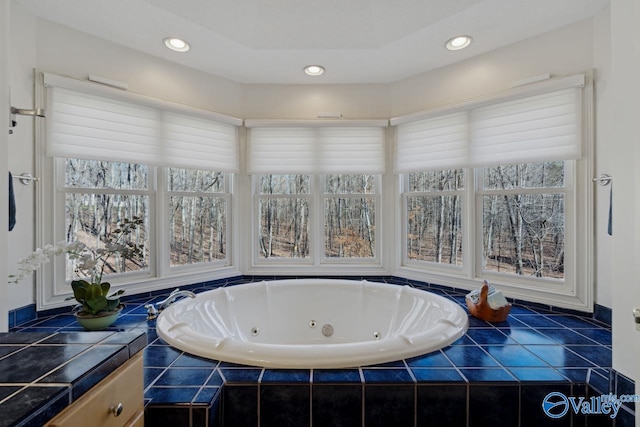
{"points": [[180, 185], [286, 220], [498, 189], [434, 216], [99, 195], [283, 216], [520, 217], [523, 219], [198, 206], [316, 192], [350, 216]]}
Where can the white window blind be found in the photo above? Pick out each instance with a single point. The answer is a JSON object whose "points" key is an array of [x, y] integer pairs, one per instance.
{"points": [[538, 128], [315, 150], [94, 126], [197, 143], [433, 144], [542, 127]]}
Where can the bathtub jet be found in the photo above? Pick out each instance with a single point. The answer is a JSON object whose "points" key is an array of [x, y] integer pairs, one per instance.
{"points": [[273, 323]]}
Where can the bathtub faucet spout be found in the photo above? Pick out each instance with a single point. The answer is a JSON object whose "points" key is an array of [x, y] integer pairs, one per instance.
{"points": [[154, 309], [177, 293]]}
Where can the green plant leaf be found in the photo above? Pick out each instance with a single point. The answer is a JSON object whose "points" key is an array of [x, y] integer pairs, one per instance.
{"points": [[105, 288], [80, 289], [112, 304], [94, 291], [96, 305]]}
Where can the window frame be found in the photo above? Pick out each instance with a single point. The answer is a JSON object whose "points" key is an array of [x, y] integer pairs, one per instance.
{"points": [[453, 269], [316, 261], [524, 282], [52, 286], [61, 190], [577, 292], [376, 195], [472, 273], [165, 268]]}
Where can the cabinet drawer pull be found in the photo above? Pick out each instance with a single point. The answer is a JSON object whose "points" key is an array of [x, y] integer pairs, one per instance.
{"points": [[116, 410]]}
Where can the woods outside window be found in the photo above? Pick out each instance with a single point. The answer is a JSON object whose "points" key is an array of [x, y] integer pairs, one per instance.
{"points": [[346, 208], [198, 212], [98, 195], [434, 216], [523, 219]]}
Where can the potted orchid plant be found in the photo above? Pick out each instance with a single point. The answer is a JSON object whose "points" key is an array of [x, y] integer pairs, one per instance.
{"points": [[96, 309]]}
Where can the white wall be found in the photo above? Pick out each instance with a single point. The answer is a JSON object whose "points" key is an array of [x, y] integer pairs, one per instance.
{"points": [[625, 145], [22, 60], [4, 142], [306, 101], [67, 52], [567, 50], [604, 161], [61, 50]]}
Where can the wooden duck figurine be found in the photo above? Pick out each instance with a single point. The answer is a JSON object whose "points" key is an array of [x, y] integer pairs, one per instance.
{"points": [[482, 309]]}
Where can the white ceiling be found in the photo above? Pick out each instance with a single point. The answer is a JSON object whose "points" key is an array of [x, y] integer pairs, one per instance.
{"points": [[357, 41]]}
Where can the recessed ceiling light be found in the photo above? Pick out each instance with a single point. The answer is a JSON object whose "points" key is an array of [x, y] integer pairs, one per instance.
{"points": [[314, 70], [176, 44], [458, 42]]}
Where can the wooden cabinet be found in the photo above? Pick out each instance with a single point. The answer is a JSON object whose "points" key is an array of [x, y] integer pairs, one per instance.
{"points": [[116, 401]]}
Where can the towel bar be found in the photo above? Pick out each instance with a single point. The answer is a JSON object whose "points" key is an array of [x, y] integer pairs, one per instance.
{"points": [[26, 178], [603, 179]]}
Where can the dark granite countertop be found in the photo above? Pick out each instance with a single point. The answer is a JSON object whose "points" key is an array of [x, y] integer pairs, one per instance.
{"points": [[43, 372]]}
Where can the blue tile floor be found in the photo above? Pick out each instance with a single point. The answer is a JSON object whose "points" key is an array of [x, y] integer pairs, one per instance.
{"points": [[548, 350]]}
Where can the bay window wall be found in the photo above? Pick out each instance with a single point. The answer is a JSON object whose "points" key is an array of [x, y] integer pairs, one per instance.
{"points": [[498, 189], [112, 156], [316, 193], [493, 189]]}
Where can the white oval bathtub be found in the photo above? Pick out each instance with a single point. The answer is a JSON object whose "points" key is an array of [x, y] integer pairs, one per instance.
{"points": [[285, 323]]}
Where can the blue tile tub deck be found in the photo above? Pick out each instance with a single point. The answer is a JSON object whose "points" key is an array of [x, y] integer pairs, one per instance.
{"points": [[567, 336], [239, 376], [537, 374], [240, 406], [389, 405], [51, 370], [470, 356], [336, 376], [438, 375], [387, 376], [491, 363], [33, 406], [336, 405], [442, 406], [433, 359], [184, 376], [34, 362], [514, 355], [532, 414], [286, 376], [489, 336], [559, 356], [488, 375], [489, 403], [285, 405]]}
